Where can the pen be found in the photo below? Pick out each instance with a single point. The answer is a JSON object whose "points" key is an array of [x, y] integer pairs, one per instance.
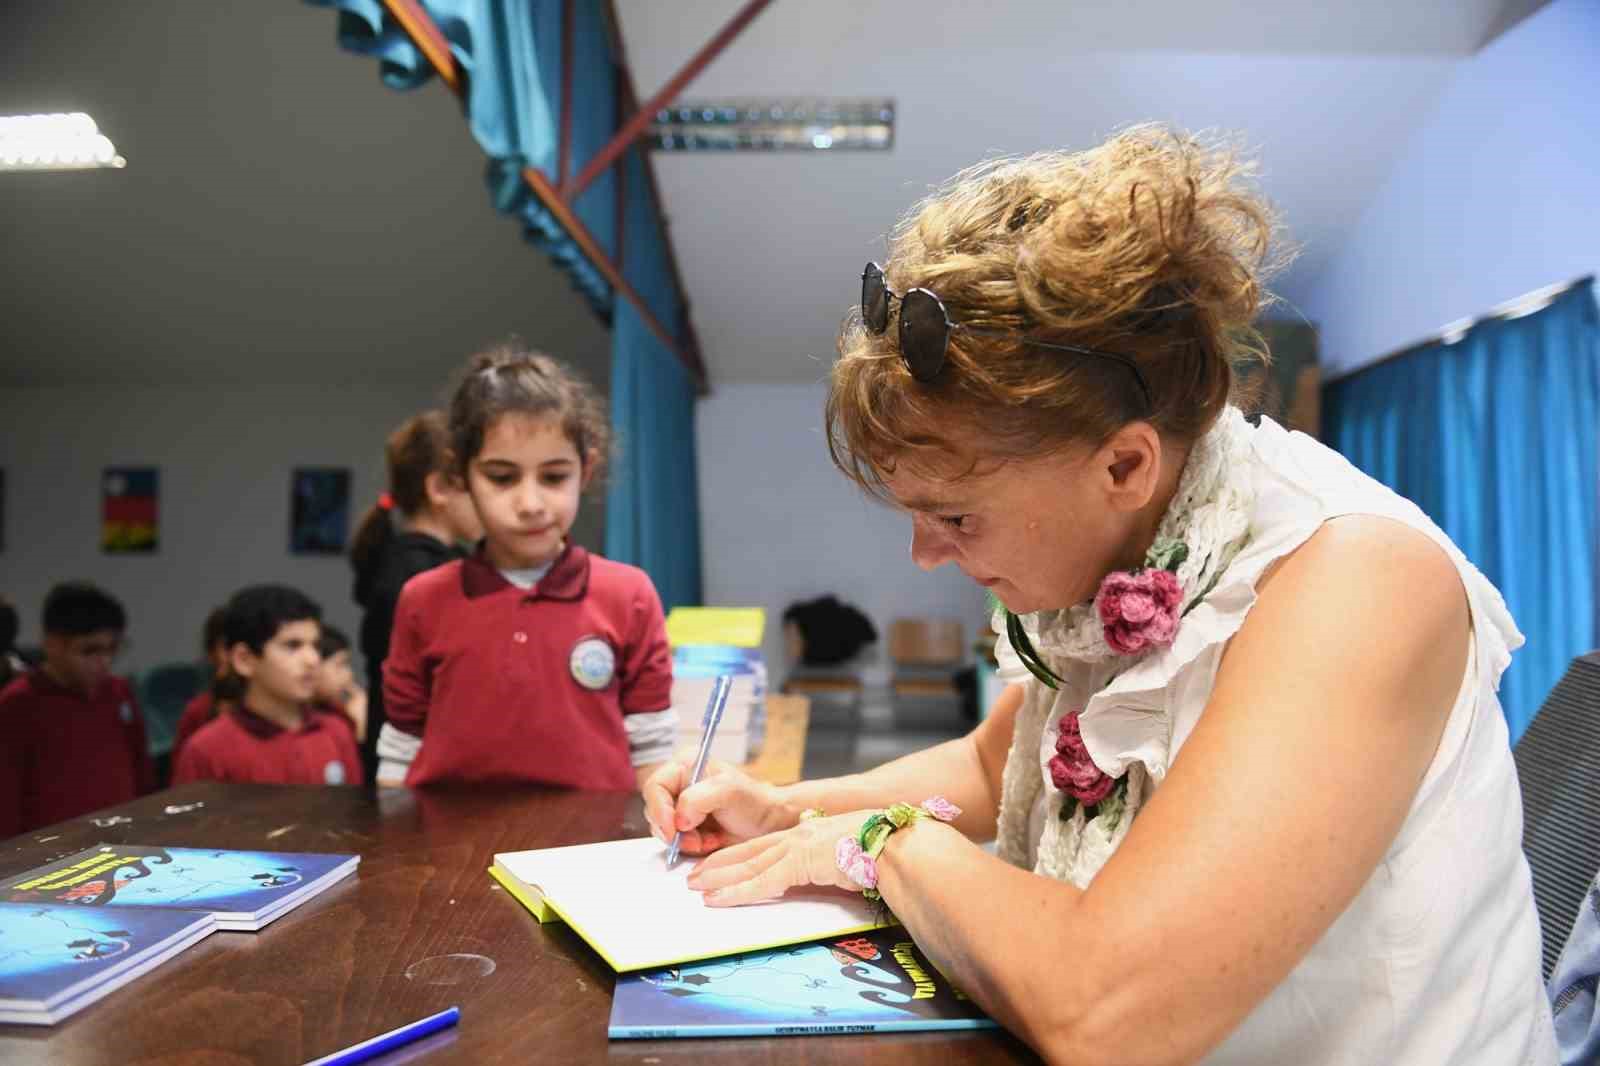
{"points": [[708, 728], [394, 1038]]}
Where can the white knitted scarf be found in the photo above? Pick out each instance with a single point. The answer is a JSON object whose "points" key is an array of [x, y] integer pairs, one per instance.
{"points": [[1211, 513]]}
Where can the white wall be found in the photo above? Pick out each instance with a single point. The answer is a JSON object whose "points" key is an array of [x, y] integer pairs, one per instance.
{"points": [[225, 456], [1494, 197], [780, 524]]}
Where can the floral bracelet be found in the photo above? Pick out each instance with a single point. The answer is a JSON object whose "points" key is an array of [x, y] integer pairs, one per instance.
{"points": [[857, 856]]}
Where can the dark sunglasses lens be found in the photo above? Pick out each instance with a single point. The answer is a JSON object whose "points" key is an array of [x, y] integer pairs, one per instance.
{"points": [[874, 299], [923, 333]]}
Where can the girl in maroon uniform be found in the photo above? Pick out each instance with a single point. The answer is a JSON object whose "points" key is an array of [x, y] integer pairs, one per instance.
{"points": [[532, 660]]}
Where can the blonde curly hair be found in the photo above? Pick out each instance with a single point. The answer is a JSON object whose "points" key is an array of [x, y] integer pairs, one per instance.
{"points": [[1153, 245]]}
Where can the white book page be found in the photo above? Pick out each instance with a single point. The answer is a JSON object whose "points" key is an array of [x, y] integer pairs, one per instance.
{"points": [[621, 898]]}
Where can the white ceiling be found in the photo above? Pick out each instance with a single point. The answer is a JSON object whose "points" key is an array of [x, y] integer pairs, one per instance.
{"points": [[771, 245]]}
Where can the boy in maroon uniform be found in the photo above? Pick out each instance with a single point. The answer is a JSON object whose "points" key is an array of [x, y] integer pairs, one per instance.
{"points": [[71, 736], [274, 734]]}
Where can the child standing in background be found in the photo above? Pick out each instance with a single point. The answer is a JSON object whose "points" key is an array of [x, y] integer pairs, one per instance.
{"points": [[71, 736], [532, 660], [275, 733], [416, 526], [206, 704], [336, 686]]}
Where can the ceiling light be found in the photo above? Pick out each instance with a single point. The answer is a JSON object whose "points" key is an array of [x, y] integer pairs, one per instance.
{"points": [[55, 142], [774, 125]]}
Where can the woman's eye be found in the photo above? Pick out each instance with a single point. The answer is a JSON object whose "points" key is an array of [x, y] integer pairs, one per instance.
{"points": [[954, 521]]}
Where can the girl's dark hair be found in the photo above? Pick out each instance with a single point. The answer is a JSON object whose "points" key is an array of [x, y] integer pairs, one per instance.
{"points": [[511, 379], [332, 642], [419, 447]]}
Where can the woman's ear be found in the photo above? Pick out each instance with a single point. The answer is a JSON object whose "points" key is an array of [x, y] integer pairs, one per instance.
{"points": [[1132, 462]]}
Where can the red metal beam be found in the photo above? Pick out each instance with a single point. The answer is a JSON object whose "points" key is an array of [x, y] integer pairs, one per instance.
{"points": [[564, 153], [585, 240], [425, 34], [669, 92]]}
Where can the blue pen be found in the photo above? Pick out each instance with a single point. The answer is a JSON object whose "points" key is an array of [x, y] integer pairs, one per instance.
{"points": [[394, 1038], [708, 728]]}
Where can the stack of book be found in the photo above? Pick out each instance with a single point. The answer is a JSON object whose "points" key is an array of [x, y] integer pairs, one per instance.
{"points": [[706, 643], [74, 930], [695, 669]]}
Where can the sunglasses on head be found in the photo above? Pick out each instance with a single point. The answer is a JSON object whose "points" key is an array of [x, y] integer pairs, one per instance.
{"points": [[925, 329]]}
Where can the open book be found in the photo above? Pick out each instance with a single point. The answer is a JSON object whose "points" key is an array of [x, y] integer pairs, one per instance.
{"points": [[621, 898]]}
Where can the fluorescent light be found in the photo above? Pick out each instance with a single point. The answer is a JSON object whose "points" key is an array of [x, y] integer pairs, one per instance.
{"points": [[774, 125], [55, 142]]}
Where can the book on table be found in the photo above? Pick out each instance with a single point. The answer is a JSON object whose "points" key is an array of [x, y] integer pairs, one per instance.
{"points": [[73, 930], [872, 981], [638, 914], [243, 889], [56, 959]]}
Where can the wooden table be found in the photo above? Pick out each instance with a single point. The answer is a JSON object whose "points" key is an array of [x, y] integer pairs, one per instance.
{"points": [[420, 927]]}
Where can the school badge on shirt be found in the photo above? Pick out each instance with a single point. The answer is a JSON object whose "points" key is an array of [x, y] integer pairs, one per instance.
{"points": [[593, 663], [125, 712], [333, 772]]}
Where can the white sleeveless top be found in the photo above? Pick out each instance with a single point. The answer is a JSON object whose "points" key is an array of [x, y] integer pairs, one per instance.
{"points": [[1437, 959]]}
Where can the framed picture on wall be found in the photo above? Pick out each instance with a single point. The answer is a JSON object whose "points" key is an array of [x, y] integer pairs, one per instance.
{"points": [[130, 505], [319, 510]]}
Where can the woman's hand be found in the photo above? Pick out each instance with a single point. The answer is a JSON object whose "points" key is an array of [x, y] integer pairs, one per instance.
{"points": [[769, 866], [724, 807]]}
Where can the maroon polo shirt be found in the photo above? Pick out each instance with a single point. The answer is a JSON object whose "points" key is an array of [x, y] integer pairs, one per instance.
{"points": [[64, 754], [196, 713], [511, 685], [240, 745]]}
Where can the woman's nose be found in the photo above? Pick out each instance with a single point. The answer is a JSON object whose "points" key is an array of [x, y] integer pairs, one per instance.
{"points": [[929, 548]]}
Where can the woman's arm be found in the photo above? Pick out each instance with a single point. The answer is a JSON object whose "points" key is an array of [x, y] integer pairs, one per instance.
{"points": [[1326, 712]]}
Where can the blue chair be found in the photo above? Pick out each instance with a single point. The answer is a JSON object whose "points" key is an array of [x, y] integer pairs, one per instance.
{"points": [[164, 691]]}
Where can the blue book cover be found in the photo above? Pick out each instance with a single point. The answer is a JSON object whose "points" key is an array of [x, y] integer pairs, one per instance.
{"points": [[875, 981], [56, 958], [242, 889]]}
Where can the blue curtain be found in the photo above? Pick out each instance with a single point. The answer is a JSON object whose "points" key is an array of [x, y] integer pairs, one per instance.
{"points": [[652, 505], [510, 54], [1495, 437]]}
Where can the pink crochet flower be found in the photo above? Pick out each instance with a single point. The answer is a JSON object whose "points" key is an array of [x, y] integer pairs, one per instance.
{"points": [[855, 864], [1139, 609], [1073, 771], [941, 808]]}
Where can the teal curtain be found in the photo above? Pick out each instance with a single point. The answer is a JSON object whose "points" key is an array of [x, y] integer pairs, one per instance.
{"points": [[1496, 437], [510, 54], [652, 503]]}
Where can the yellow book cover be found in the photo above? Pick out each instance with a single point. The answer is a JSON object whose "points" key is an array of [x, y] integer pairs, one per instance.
{"points": [[741, 627]]}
